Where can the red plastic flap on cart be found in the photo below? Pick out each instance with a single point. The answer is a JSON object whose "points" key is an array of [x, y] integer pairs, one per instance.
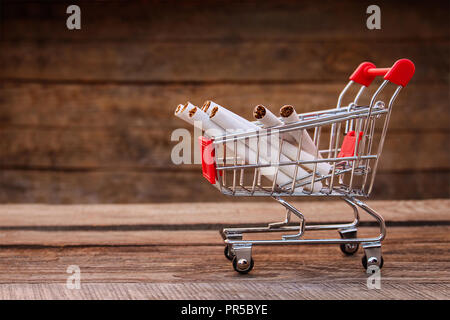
{"points": [[208, 162], [348, 145]]}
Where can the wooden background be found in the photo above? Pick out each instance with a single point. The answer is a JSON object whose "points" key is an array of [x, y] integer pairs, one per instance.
{"points": [[86, 116]]}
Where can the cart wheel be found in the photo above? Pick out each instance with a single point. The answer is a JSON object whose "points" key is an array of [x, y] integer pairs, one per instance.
{"points": [[228, 253], [349, 248], [242, 266], [364, 262]]}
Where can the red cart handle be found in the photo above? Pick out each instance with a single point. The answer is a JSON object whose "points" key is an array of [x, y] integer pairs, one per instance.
{"points": [[400, 73]]}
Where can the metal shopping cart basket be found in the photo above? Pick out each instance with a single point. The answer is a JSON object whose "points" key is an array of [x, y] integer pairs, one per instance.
{"points": [[362, 129]]}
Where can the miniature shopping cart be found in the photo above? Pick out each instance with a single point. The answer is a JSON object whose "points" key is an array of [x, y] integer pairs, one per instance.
{"points": [[349, 137]]}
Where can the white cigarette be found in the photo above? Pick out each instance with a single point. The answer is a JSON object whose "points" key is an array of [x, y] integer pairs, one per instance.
{"points": [[231, 121], [201, 119], [188, 112], [288, 115], [195, 116], [268, 119], [225, 119], [211, 108], [182, 112]]}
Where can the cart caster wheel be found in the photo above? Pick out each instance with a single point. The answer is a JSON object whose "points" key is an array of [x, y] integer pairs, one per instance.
{"points": [[349, 248], [364, 262], [242, 265], [228, 253]]}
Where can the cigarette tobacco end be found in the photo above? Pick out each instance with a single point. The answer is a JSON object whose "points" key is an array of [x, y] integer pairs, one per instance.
{"points": [[206, 105], [184, 106], [286, 111], [192, 112], [213, 112], [178, 108], [259, 112]]}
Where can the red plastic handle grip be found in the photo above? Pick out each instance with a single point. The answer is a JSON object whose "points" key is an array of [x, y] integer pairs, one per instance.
{"points": [[378, 71], [400, 73]]}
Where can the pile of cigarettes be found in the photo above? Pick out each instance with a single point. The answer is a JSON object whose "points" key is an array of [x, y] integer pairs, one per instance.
{"points": [[217, 121]]}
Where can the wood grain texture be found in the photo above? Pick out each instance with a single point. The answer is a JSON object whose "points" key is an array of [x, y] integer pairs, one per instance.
{"points": [[233, 20], [145, 186], [188, 215], [164, 264], [147, 147], [134, 135], [86, 115], [143, 61], [419, 107], [177, 259], [394, 289]]}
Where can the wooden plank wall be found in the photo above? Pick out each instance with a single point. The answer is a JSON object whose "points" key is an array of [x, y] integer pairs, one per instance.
{"points": [[86, 116]]}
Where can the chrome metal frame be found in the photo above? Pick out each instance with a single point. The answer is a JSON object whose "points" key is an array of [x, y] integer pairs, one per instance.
{"points": [[341, 181], [233, 236]]}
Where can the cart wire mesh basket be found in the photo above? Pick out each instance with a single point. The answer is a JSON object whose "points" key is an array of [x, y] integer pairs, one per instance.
{"points": [[349, 140]]}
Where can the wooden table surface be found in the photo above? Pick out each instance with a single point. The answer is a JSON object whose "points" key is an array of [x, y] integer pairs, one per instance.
{"points": [[174, 251]]}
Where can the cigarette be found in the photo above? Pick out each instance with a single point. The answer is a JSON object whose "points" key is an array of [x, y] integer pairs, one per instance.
{"points": [[212, 108], [206, 105], [182, 112], [268, 119], [231, 121], [195, 116], [200, 118], [288, 115], [228, 120]]}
